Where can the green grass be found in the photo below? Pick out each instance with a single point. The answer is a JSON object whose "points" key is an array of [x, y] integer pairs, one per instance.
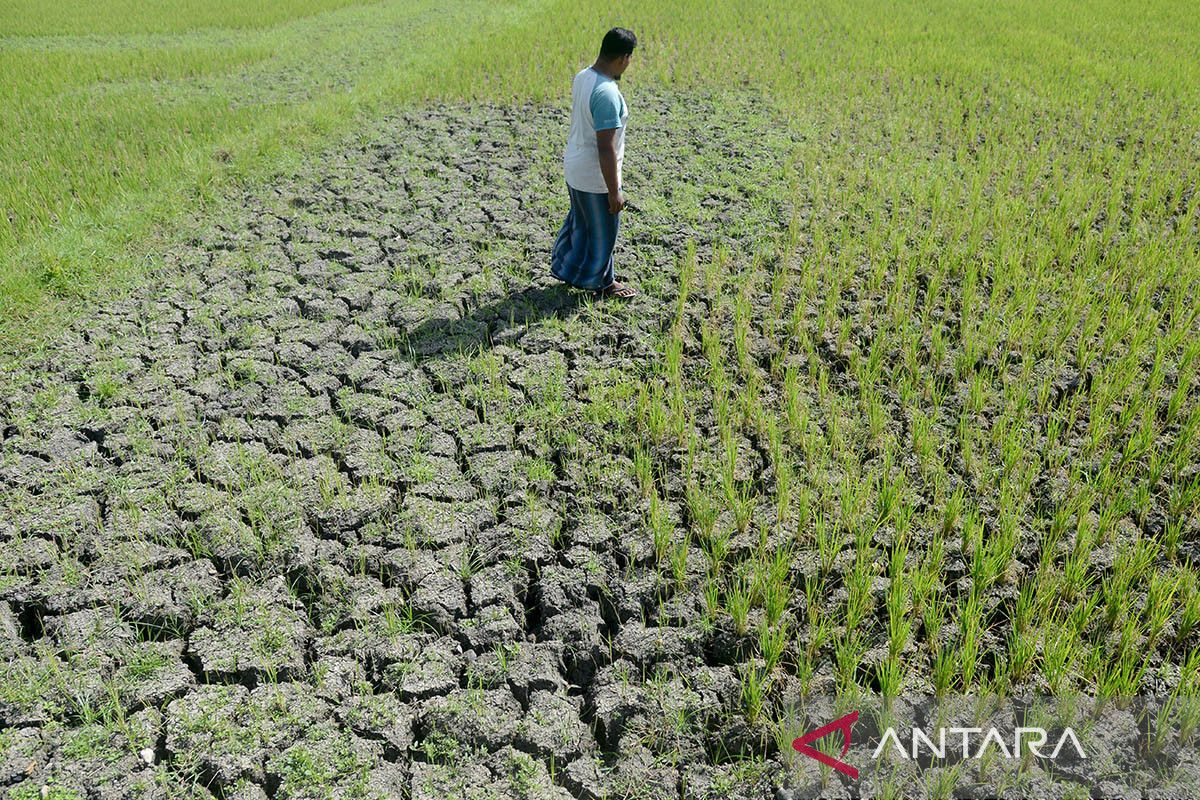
{"points": [[34, 18], [128, 115], [137, 125]]}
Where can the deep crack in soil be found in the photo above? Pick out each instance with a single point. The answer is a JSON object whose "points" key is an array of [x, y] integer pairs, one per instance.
{"points": [[299, 513], [350, 498]]}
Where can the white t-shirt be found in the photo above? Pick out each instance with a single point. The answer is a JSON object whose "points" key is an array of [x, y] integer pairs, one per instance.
{"points": [[596, 105]]}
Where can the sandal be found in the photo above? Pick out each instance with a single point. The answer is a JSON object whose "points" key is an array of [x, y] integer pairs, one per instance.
{"points": [[617, 289]]}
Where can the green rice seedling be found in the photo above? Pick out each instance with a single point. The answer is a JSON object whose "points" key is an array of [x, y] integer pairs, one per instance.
{"points": [[681, 417], [819, 623], [1161, 604], [890, 675], [1132, 562], [740, 499], [775, 603], [877, 417], [653, 411], [1076, 575], [832, 747], [848, 655], [1178, 711], [723, 409], [830, 540], [858, 588], [944, 669], [400, 619], [941, 783], [1174, 529], [1189, 614], [1175, 403], [779, 282], [643, 470], [772, 642], [966, 443], [738, 602], [889, 493], [714, 354], [1060, 653], [776, 589], [753, 418], [1061, 522], [1189, 673], [926, 445], [703, 510], [864, 543], [662, 528], [952, 510], [712, 597], [1022, 652], [796, 411], [557, 533], [539, 470], [742, 313], [1121, 677], [970, 648], [1187, 718], [715, 270], [924, 579], [754, 684], [850, 496], [679, 562], [899, 623], [933, 617], [672, 358], [688, 265], [785, 492], [892, 787], [470, 561], [843, 339]]}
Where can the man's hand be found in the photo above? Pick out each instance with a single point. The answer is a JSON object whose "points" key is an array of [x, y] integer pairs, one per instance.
{"points": [[606, 147], [616, 201]]}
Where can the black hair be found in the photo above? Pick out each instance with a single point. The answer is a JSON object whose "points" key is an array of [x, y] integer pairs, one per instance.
{"points": [[617, 42]]}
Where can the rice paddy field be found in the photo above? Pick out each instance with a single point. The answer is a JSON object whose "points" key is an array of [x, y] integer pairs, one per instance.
{"points": [[314, 484]]}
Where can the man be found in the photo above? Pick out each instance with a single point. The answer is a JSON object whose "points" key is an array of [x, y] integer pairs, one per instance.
{"points": [[582, 255]]}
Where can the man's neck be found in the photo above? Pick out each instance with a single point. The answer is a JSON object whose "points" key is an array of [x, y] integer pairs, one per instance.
{"points": [[603, 69]]}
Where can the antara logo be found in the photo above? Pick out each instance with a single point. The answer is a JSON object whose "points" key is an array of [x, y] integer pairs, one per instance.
{"points": [[844, 724], [1034, 741], [1024, 740]]}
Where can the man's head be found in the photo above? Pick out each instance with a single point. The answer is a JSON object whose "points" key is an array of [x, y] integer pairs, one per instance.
{"points": [[616, 50]]}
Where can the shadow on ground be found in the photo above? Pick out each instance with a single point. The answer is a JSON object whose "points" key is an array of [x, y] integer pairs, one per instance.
{"points": [[477, 327]]}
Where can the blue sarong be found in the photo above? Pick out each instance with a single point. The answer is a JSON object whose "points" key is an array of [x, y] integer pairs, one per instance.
{"points": [[582, 254]]}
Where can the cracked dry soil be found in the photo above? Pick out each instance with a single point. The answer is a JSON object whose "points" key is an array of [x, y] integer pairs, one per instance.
{"points": [[296, 519]]}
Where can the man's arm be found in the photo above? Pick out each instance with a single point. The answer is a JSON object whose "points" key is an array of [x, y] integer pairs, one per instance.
{"points": [[607, 146]]}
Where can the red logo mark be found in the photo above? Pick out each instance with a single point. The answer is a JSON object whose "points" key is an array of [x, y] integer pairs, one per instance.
{"points": [[803, 744]]}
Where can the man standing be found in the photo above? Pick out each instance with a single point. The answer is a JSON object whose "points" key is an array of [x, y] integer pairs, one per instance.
{"points": [[582, 255]]}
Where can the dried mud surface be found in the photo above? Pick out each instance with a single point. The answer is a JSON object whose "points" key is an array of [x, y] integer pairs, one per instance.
{"points": [[288, 521]]}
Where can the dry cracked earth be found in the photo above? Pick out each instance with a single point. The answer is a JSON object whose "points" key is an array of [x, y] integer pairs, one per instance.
{"points": [[329, 507]]}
